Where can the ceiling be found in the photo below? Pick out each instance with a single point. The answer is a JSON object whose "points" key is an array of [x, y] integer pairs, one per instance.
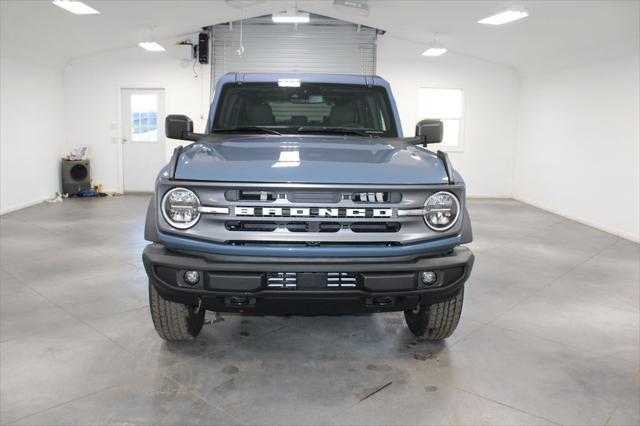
{"points": [[556, 34]]}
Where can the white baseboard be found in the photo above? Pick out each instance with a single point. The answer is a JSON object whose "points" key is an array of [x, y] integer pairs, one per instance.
{"points": [[605, 228], [21, 206]]}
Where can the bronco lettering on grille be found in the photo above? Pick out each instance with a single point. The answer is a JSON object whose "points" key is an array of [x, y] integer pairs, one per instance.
{"points": [[311, 212]]}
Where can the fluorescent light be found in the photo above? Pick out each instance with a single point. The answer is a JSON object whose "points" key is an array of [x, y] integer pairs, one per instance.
{"points": [[76, 7], [291, 16], [289, 82], [512, 14], [241, 4], [434, 51], [358, 6], [151, 46]]}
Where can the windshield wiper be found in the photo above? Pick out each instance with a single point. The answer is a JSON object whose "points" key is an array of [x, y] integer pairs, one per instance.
{"points": [[247, 129], [369, 133]]}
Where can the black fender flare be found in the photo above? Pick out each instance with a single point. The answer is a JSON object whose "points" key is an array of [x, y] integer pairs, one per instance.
{"points": [[467, 231], [151, 225]]}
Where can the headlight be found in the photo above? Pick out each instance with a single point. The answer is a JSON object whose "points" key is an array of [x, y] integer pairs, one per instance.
{"points": [[441, 211], [180, 208]]}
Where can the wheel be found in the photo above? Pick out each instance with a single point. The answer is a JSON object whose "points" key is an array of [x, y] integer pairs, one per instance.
{"points": [[173, 321], [437, 321]]}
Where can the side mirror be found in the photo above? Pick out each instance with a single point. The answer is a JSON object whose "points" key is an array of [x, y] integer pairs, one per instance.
{"points": [[429, 131], [178, 127]]}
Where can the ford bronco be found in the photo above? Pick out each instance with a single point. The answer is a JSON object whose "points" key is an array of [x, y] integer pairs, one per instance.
{"points": [[302, 198]]}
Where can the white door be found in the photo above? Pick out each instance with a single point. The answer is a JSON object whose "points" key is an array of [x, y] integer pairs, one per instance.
{"points": [[143, 141]]}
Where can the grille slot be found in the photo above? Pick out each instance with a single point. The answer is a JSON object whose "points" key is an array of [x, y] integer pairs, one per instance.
{"points": [[341, 280], [376, 197], [282, 280], [330, 227], [375, 227], [249, 226], [314, 197], [249, 195], [298, 226]]}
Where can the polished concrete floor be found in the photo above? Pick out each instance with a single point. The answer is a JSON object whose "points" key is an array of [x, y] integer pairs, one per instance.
{"points": [[550, 334]]}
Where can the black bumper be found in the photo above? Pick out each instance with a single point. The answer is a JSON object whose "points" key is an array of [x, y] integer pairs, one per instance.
{"points": [[238, 284]]}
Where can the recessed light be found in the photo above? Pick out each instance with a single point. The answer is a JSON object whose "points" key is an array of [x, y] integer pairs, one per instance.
{"points": [[151, 46], [512, 14], [434, 51], [291, 16], [76, 7]]}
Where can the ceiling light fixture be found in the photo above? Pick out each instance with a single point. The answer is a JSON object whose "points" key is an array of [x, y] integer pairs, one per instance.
{"points": [[75, 7], [435, 48], [290, 16], [241, 4], [151, 46], [512, 14], [357, 6]]}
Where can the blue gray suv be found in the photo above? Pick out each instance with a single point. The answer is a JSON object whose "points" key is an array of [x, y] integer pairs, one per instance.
{"points": [[303, 198]]}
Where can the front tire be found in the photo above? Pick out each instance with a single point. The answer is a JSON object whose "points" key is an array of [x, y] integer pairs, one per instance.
{"points": [[437, 321], [174, 322]]}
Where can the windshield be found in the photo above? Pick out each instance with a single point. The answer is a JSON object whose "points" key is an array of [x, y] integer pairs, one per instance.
{"points": [[310, 108]]}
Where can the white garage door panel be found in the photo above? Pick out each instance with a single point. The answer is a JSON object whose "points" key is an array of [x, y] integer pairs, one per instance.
{"points": [[323, 46]]}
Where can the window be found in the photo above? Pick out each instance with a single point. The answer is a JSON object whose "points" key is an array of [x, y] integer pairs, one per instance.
{"points": [[316, 107], [445, 105], [144, 118]]}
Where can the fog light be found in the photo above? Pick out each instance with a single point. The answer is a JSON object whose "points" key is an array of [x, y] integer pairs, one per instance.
{"points": [[191, 277], [428, 277]]}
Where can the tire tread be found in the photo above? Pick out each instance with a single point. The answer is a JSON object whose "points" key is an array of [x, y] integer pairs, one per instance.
{"points": [[174, 321], [437, 321]]}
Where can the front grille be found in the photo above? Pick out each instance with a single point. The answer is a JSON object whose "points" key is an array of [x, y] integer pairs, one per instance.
{"points": [[315, 215], [341, 279], [360, 227], [311, 243], [282, 280], [311, 281]]}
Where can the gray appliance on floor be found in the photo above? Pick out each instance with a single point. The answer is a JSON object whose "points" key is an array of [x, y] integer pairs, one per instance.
{"points": [[76, 176]]}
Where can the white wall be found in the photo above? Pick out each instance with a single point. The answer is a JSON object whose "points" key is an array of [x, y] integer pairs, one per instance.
{"points": [[578, 145], [32, 132], [490, 116], [92, 106]]}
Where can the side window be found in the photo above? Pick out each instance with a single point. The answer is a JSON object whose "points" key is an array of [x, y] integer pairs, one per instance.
{"points": [[144, 118], [446, 105]]}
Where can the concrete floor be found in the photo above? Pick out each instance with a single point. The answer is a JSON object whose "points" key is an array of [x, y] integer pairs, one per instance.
{"points": [[550, 334]]}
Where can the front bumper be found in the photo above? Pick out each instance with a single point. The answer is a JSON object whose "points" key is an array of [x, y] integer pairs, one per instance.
{"points": [[241, 284]]}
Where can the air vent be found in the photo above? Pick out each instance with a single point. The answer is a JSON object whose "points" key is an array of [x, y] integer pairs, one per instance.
{"points": [[250, 195], [341, 280], [376, 197], [314, 197], [298, 226], [375, 227], [282, 280], [330, 227], [251, 226]]}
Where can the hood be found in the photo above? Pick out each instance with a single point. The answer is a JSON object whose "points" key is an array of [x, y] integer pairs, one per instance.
{"points": [[309, 159]]}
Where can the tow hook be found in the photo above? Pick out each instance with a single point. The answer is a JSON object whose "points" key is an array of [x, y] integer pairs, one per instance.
{"points": [[239, 301], [383, 301]]}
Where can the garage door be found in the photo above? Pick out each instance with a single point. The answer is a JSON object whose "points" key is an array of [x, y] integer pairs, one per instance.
{"points": [[324, 45]]}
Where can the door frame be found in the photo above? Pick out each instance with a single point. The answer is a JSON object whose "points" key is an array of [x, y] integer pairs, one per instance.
{"points": [[120, 148]]}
